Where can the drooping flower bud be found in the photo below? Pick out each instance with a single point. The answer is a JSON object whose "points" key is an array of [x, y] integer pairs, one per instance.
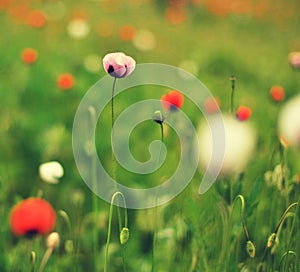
{"points": [[124, 236]]}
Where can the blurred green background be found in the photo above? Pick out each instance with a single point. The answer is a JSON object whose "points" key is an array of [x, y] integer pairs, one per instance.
{"points": [[213, 40]]}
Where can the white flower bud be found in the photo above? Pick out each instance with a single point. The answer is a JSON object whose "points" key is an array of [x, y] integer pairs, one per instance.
{"points": [[53, 240], [51, 171]]}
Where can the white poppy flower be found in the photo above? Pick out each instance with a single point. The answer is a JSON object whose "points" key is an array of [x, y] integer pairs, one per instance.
{"points": [[51, 172], [289, 122], [240, 143], [78, 29]]}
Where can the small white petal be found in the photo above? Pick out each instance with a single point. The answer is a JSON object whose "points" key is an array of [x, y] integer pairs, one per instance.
{"points": [[51, 171]]}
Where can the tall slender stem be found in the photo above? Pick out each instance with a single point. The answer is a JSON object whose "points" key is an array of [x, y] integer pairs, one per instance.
{"points": [[45, 259], [155, 209], [92, 112], [232, 79], [114, 169], [110, 222]]}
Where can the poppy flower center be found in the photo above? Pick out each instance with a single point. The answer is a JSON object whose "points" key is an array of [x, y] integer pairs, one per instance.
{"points": [[31, 233], [110, 69]]}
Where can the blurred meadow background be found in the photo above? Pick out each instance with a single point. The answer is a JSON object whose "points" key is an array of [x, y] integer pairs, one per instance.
{"points": [[51, 54]]}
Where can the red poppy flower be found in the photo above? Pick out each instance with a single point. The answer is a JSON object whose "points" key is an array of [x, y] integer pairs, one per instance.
{"points": [[172, 100], [277, 93], [29, 55], [175, 15], [36, 18], [243, 113], [32, 216], [65, 81]]}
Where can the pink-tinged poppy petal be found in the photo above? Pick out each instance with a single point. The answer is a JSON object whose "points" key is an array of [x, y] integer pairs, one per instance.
{"points": [[118, 64]]}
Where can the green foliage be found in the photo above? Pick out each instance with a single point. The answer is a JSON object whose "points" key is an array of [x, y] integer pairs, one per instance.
{"points": [[194, 232]]}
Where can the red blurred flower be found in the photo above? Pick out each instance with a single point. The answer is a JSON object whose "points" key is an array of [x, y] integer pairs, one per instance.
{"points": [[212, 105], [118, 64], [243, 113], [277, 93], [65, 81], [127, 32], [32, 216], [29, 55], [172, 100], [175, 15], [36, 18]]}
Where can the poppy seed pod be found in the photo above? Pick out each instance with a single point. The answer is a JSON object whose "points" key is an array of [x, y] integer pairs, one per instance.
{"points": [[118, 64]]}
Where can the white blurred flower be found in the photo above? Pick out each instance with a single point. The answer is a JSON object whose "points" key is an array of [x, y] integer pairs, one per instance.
{"points": [[240, 143], [51, 171], [289, 122], [92, 63], [144, 40], [78, 28], [189, 66]]}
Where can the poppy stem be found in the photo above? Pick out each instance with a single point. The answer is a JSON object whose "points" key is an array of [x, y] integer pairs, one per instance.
{"points": [[45, 259], [110, 223], [155, 209], [92, 112], [232, 79], [33, 260], [114, 168], [114, 175], [242, 215]]}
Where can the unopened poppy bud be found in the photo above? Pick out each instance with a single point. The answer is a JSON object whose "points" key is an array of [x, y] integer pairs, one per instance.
{"points": [[271, 240], [69, 246], [124, 236], [53, 240], [158, 117], [250, 249]]}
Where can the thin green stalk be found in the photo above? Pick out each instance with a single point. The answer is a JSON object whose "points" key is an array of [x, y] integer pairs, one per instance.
{"points": [[272, 237], [284, 257], [33, 261], [242, 215], [110, 222], [232, 79], [291, 232], [45, 259], [155, 209], [113, 161], [92, 112]]}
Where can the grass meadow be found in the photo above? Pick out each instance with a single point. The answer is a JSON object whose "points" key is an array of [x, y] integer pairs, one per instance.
{"points": [[247, 221]]}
